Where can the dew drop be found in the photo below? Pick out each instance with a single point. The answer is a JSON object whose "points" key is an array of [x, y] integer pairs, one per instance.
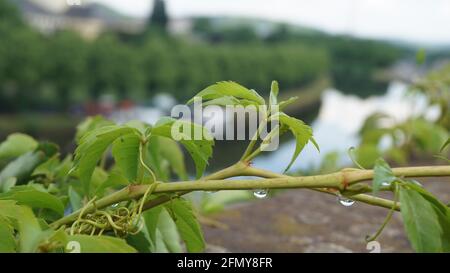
{"points": [[260, 193], [346, 202], [115, 205]]}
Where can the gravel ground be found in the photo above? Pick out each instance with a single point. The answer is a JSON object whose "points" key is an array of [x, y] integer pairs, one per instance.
{"points": [[307, 221]]}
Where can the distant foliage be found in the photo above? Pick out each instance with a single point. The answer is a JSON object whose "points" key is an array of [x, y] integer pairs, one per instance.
{"points": [[62, 69], [416, 136], [159, 18]]}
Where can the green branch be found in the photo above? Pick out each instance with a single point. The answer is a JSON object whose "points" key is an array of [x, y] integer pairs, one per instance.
{"points": [[327, 183]]}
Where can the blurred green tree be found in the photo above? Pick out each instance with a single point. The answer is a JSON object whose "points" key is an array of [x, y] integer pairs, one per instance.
{"points": [[65, 65], [159, 18]]}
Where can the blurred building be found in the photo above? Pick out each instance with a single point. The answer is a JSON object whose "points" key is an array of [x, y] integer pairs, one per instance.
{"points": [[88, 19], [180, 26]]}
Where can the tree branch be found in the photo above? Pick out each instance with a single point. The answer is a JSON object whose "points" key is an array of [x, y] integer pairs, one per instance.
{"points": [[328, 183]]}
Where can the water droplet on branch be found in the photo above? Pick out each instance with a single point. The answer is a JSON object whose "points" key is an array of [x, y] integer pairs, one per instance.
{"points": [[260, 193], [346, 202]]}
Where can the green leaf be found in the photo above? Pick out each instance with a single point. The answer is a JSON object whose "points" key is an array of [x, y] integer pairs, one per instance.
{"points": [[160, 244], [417, 186], [428, 136], [301, 131], [101, 244], [398, 155], [90, 124], [167, 232], [165, 153], [445, 145], [274, 90], [7, 241], [8, 183], [171, 152], [151, 218], [162, 231], [16, 145], [229, 88], [99, 177], [9, 209], [223, 101], [140, 242], [187, 224], [53, 169], [426, 225], [442, 209], [62, 171], [48, 148], [199, 149], [29, 230], [283, 104], [114, 179], [21, 168], [92, 147], [367, 154], [48, 167], [383, 175], [142, 127], [75, 199], [30, 196], [125, 151], [154, 159]]}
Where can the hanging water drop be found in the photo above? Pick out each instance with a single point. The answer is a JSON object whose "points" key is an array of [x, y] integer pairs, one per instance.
{"points": [[346, 202], [260, 193]]}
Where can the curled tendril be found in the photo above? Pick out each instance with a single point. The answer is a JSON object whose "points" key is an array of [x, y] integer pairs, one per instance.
{"points": [[388, 217], [122, 221], [147, 168], [351, 152]]}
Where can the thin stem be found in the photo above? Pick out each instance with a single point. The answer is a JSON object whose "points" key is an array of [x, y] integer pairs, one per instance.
{"points": [[253, 141], [329, 181], [388, 217], [232, 171], [250, 146], [273, 133], [368, 199]]}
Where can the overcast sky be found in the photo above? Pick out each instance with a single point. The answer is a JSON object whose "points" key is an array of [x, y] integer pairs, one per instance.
{"points": [[422, 21]]}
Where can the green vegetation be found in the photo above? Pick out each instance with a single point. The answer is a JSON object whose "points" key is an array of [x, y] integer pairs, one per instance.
{"points": [[354, 63], [56, 71], [159, 16], [130, 206], [415, 138]]}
